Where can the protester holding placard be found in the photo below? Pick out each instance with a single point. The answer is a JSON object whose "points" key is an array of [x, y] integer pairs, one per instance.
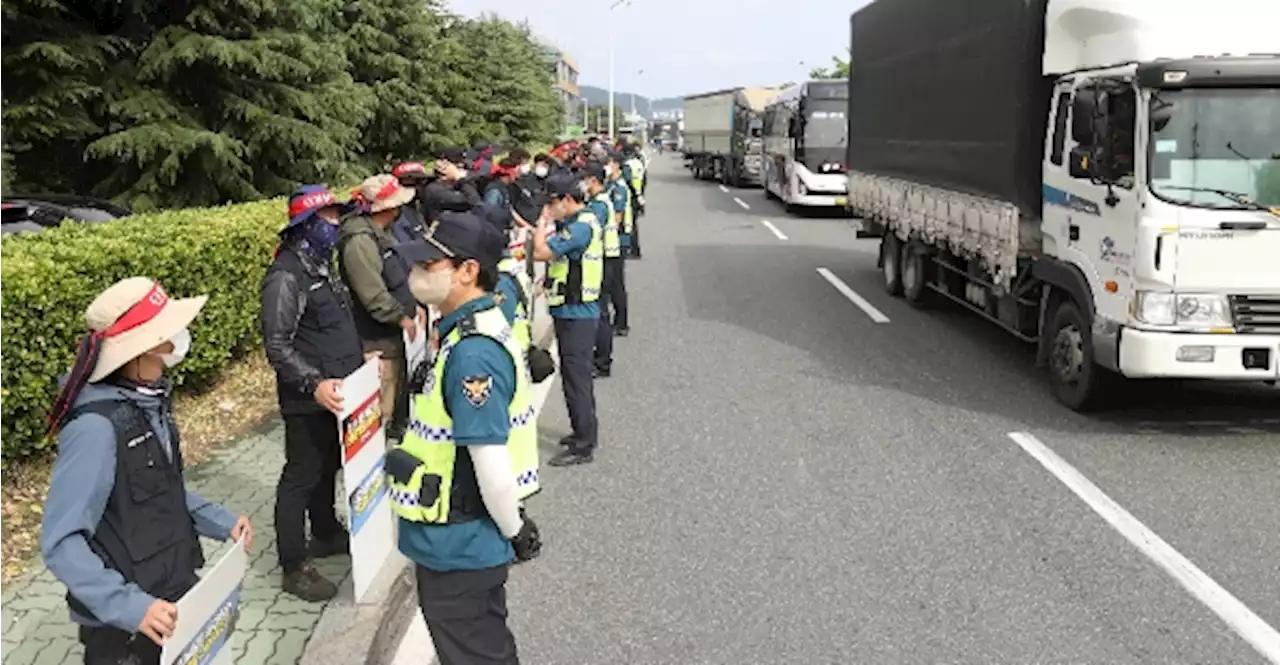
{"points": [[120, 528], [311, 341], [451, 479]]}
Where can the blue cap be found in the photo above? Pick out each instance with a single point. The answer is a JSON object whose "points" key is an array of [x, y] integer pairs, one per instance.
{"points": [[457, 235], [306, 201]]}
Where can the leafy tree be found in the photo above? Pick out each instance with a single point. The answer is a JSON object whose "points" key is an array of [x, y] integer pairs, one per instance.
{"points": [[54, 63], [598, 118], [515, 101], [839, 69], [233, 100], [401, 52]]}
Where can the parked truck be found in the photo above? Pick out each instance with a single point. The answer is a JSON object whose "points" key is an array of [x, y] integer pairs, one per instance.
{"points": [[1095, 176], [722, 134]]}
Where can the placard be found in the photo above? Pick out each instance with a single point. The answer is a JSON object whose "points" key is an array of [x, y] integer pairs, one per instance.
{"points": [[207, 614], [369, 518]]}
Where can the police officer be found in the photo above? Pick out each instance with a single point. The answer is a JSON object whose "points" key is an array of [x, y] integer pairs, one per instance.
{"points": [[601, 205], [574, 278], [384, 309], [451, 479], [633, 173], [312, 343], [120, 528], [615, 268]]}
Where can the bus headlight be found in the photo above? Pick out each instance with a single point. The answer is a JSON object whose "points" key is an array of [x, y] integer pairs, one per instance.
{"points": [[1193, 310]]}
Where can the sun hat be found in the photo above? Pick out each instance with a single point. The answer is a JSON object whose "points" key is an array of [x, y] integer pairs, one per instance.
{"points": [[129, 318], [384, 192], [306, 201]]}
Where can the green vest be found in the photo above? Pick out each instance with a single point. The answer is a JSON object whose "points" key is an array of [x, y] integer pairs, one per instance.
{"points": [[575, 282], [421, 469], [628, 211], [520, 327], [612, 243], [637, 173]]}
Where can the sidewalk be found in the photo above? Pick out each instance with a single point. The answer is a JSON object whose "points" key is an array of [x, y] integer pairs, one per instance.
{"points": [[273, 627]]}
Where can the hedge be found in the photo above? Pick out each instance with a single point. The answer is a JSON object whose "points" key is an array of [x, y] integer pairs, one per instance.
{"points": [[49, 279]]}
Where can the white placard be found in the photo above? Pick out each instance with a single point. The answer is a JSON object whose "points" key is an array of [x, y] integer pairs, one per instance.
{"points": [[364, 441], [415, 350], [207, 614]]}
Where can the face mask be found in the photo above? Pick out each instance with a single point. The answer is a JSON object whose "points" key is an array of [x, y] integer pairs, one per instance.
{"points": [[541, 171], [525, 168], [181, 345], [321, 236], [428, 287]]}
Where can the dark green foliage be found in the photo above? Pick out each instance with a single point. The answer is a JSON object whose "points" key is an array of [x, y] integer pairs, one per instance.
{"points": [[161, 104]]}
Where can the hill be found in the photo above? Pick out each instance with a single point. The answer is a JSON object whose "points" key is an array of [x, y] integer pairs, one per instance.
{"points": [[600, 97]]}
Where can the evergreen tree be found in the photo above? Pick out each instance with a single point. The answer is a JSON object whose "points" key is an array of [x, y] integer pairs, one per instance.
{"points": [[399, 50], [54, 63], [234, 100], [516, 101]]}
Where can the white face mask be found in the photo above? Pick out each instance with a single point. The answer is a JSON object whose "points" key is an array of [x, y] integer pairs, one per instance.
{"points": [[525, 168], [541, 171], [181, 345], [430, 288]]}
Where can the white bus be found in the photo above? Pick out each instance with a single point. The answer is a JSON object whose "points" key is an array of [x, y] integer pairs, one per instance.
{"points": [[805, 133]]}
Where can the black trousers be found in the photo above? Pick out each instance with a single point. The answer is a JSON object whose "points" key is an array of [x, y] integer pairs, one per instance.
{"points": [[111, 646], [613, 310], [576, 340], [312, 458], [634, 248], [466, 613]]}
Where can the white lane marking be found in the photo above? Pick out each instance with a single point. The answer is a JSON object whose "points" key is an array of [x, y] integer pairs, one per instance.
{"points": [[1264, 638], [741, 203], [870, 310], [769, 225], [724, 189]]}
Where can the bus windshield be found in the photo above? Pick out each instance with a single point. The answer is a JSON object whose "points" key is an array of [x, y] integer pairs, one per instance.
{"points": [[824, 125]]}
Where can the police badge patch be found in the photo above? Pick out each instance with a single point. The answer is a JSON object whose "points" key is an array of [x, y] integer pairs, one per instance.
{"points": [[477, 389], [499, 298]]}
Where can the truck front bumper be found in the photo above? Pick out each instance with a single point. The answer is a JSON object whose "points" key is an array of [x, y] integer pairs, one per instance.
{"points": [[812, 200], [1146, 354]]}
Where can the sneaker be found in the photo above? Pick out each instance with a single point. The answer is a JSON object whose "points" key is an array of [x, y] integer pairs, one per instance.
{"points": [[323, 549], [572, 458], [308, 584]]}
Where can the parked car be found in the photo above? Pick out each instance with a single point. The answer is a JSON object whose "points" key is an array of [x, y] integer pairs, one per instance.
{"points": [[35, 213]]}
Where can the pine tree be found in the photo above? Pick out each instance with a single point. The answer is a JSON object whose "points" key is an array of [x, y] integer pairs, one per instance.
{"points": [[54, 63], [234, 100], [399, 50], [516, 101]]}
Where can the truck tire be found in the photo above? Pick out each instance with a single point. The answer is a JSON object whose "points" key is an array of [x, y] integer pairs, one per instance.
{"points": [[913, 276], [1079, 383], [891, 264]]}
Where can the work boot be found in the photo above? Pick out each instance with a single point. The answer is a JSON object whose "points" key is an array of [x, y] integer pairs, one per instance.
{"points": [[323, 549], [566, 441], [621, 332], [572, 458], [308, 584]]}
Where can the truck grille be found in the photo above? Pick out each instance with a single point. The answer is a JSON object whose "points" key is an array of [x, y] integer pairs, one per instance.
{"points": [[1257, 315]]}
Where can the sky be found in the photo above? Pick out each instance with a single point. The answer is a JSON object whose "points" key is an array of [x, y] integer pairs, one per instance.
{"points": [[686, 46]]}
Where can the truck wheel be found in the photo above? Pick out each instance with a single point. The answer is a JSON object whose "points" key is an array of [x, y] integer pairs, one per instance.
{"points": [[912, 270], [891, 264], [1078, 382]]}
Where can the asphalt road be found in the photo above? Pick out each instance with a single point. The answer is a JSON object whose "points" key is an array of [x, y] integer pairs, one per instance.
{"points": [[782, 479]]}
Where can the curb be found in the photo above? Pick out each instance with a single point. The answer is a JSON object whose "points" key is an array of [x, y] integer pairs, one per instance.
{"points": [[368, 632]]}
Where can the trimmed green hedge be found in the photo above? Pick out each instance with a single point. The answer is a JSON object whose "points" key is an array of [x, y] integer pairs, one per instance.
{"points": [[49, 278]]}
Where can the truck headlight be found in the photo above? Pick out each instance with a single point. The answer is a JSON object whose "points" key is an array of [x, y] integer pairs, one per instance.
{"points": [[1194, 310]]}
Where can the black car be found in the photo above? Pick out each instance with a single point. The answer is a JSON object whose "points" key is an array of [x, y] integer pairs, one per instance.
{"points": [[37, 212]]}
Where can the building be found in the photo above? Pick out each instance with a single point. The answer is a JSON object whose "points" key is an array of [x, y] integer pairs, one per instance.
{"points": [[564, 73]]}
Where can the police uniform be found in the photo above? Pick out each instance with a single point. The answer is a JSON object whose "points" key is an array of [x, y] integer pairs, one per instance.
{"points": [[624, 211], [633, 175], [476, 394], [601, 205], [573, 283]]}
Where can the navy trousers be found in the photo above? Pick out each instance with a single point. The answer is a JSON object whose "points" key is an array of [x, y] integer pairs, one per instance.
{"points": [[576, 340]]}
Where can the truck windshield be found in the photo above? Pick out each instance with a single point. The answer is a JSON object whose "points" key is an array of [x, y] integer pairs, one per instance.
{"points": [[824, 125], [1214, 147]]}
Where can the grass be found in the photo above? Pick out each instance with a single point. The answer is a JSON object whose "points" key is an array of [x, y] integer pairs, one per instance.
{"points": [[243, 396]]}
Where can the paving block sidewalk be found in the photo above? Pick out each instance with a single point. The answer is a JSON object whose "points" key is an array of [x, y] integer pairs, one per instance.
{"points": [[273, 627]]}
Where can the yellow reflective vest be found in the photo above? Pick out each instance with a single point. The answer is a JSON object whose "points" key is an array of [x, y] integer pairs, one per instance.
{"points": [[612, 243], [571, 282], [628, 210], [524, 285], [421, 470]]}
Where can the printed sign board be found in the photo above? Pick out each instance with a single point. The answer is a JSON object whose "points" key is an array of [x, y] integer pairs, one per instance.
{"points": [[207, 614], [369, 517]]}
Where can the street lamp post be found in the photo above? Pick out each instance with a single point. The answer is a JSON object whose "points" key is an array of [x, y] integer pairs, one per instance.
{"points": [[616, 4]]}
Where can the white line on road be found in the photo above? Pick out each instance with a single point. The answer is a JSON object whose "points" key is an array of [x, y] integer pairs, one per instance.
{"points": [[741, 203], [1264, 638], [724, 189], [769, 225], [871, 311]]}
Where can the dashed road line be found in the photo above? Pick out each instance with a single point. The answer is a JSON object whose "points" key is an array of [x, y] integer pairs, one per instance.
{"points": [[741, 203], [1261, 636], [844, 289], [769, 225], [724, 189]]}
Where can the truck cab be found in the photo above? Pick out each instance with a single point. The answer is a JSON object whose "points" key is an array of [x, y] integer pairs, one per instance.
{"points": [[1161, 181]]}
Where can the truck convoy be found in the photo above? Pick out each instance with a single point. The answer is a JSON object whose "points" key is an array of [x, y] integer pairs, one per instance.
{"points": [[1095, 176], [722, 134], [804, 144]]}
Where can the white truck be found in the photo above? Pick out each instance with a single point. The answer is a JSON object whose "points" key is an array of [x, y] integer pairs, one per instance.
{"points": [[1099, 177], [722, 134]]}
